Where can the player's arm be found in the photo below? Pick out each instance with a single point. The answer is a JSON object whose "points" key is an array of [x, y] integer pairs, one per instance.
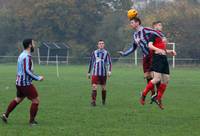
{"points": [[109, 63], [152, 47], [90, 64], [129, 51], [171, 52], [27, 68]]}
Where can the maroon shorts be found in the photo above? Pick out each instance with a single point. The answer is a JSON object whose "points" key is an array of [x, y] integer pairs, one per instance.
{"points": [[147, 62], [27, 91], [99, 80]]}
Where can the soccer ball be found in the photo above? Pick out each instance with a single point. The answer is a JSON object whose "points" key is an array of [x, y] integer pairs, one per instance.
{"points": [[132, 13]]}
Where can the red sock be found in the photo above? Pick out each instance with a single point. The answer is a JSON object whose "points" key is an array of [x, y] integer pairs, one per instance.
{"points": [[94, 95], [161, 91], [152, 90], [103, 95], [33, 111], [11, 107], [149, 87]]}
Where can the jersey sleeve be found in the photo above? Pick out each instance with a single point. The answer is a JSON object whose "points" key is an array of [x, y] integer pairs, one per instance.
{"points": [[92, 59], [27, 68], [109, 62], [130, 50]]}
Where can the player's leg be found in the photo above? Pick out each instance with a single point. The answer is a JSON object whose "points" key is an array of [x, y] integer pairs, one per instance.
{"points": [[33, 96], [95, 82], [149, 76], [150, 86], [103, 94], [34, 110], [103, 80], [163, 85], [11, 107], [94, 94]]}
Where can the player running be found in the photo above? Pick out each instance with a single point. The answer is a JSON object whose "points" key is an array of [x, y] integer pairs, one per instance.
{"points": [[24, 85], [100, 67], [141, 38], [160, 66]]}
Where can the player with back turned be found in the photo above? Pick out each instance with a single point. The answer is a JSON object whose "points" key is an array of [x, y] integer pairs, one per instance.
{"points": [[24, 85]]}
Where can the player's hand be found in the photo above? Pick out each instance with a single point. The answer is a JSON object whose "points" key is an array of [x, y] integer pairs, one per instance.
{"points": [[173, 53], [121, 53], [41, 78], [88, 75], [109, 74]]}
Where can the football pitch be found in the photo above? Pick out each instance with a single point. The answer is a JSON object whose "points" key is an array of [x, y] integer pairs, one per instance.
{"points": [[65, 104]]}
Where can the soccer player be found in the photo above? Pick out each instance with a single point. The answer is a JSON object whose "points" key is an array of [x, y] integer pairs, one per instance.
{"points": [[160, 66], [141, 38], [24, 85], [100, 68]]}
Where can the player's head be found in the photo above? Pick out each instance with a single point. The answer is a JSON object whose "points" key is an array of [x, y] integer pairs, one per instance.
{"points": [[29, 44], [157, 25], [135, 22], [101, 44]]}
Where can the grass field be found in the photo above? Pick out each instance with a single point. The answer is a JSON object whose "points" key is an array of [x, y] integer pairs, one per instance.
{"points": [[65, 105]]}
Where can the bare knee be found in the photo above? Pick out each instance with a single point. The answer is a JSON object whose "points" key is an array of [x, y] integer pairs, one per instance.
{"points": [[156, 80], [94, 87], [18, 99], [36, 100], [103, 87], [165, 79]]}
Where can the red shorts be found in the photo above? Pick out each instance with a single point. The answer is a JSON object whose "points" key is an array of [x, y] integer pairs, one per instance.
{"points": [[99, 80], [147, 62], [27, 91]]}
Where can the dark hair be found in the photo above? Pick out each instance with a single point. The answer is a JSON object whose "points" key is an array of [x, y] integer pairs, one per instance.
{"points": [[156, 22], [101, 40], [136, 19], [27, 42]]}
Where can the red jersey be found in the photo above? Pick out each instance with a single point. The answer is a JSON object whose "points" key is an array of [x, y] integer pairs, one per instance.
{"points": [[158, 42]]}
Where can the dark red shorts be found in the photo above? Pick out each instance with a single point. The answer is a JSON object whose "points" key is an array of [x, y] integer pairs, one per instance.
{"points": [[27, 91], [99, 80], [147, 62]]}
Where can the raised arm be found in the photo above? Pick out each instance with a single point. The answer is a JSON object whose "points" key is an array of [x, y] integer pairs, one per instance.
{"points": [[130, 50]]}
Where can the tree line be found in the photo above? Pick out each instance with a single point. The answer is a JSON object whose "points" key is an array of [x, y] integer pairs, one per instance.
{"points": [[81, 23]]}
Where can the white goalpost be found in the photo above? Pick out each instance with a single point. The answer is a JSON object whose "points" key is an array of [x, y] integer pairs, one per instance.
{"points": [[57, 70], [173, 58]]}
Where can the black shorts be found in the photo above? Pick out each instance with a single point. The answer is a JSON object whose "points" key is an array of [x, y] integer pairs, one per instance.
{"points": [[160, 64]]}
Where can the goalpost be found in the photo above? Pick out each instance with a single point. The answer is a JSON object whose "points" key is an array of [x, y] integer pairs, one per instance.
{"points": [[173, 58]]}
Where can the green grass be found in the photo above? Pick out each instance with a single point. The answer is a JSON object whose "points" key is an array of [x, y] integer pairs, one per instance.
{"points": [[65, 105]]}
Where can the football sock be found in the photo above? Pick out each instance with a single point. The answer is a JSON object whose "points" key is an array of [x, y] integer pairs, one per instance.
{"points": [[161, 91], [11, 107], [33, 111], [149, 87], [152, 90], [103, 95], [94, 95]]}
